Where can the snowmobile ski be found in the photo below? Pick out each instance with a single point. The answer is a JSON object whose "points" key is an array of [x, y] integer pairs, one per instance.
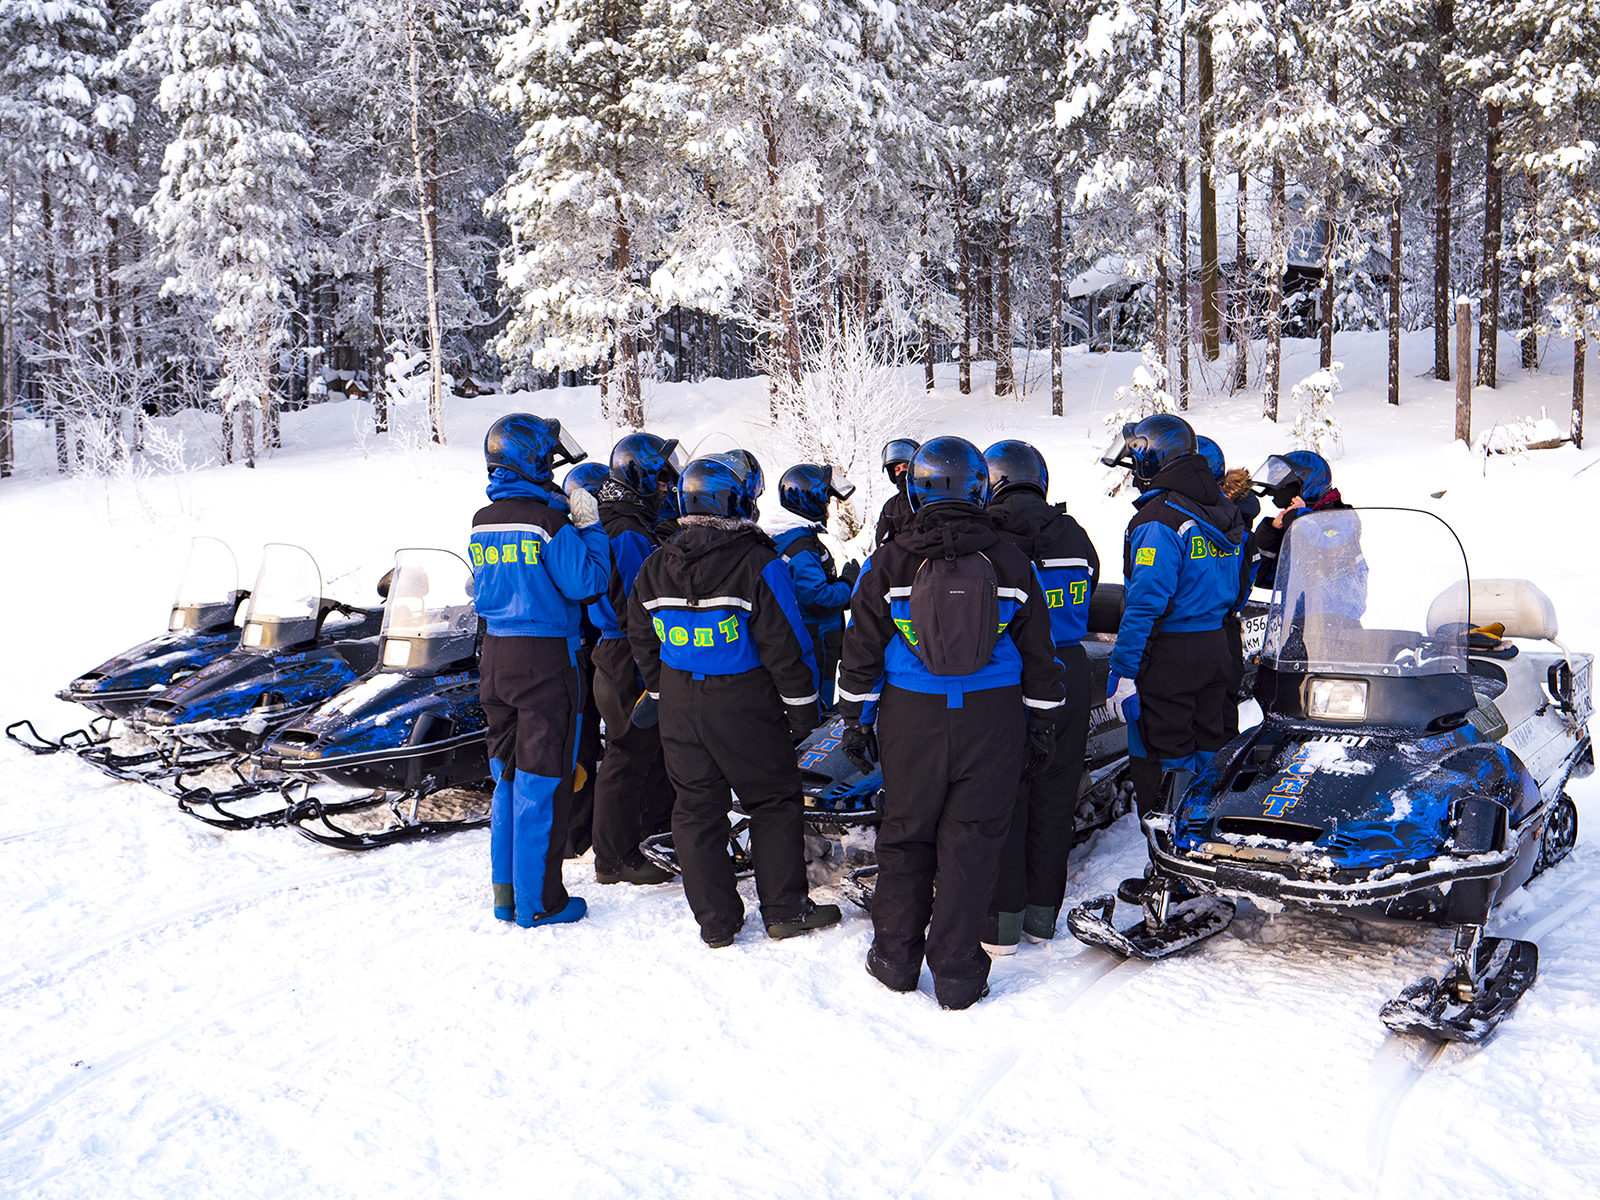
{"points": [[1185, 923], [859, 885], [1489, 976], [306, 815], [659, 849]]}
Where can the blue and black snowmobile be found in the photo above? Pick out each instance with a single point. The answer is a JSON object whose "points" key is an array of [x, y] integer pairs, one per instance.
{"points": [[201, 628], [411, 732], [1418, 733]]}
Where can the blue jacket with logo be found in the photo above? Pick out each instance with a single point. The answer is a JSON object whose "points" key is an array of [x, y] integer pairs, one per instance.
{"points": [[1181, 561], [716, 599], [877, 644], [532, 569], [823, 596]]}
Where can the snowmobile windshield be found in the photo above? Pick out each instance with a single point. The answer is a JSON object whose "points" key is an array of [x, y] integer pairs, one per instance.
{"points": [[428, 618], [208, 592], [285, 602], [1364, 592]]}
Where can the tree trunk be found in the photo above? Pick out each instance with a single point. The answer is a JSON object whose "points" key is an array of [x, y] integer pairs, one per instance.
{"points": [[714, 349], [1057, 265], [1004, 381], [824, 272], [863, 286], [1580, 346], [1464, 370], [985, 306], [1489, 302], [1330, 204], [1210, 310], [1396, 249], [958, 182], [927, 321], [376, 379], [1444, 139], [1183, 231], [423, 154], [1530, 294], [1279, 251], [782, 278], [1240, 293]]}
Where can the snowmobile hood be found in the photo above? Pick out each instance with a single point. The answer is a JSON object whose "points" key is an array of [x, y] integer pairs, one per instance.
{"points": [[1033, 520], [1189, 485], [703, 557], [133, 677], [1342, 802], [258, 689], [951, 527]]}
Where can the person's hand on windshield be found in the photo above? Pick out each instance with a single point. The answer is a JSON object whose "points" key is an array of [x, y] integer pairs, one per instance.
{"points": [[1297, 502]]}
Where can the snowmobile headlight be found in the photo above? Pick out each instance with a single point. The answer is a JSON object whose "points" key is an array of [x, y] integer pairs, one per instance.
{"points": [[1338, 699], [252, 635], [396, 652], [179, 620]]}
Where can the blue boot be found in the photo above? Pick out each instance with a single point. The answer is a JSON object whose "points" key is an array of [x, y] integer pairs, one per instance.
{"points": [[576, 907]]}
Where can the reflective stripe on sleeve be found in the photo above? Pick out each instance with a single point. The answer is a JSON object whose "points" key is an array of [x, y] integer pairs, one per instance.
{"points": [[1017, 594], [790, 700], [854, 698], [1048, 563], [1042, 703]]}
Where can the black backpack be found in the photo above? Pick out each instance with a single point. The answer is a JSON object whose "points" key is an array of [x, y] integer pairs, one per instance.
{"points": [[955, 613]]}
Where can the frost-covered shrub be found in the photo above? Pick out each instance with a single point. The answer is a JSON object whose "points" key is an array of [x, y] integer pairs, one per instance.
{"points": [[1145, 395], [1315, 426], [1524, 433]]}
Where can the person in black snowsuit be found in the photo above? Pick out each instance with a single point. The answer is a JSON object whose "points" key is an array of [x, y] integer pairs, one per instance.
{"points": [[824, 592], [950, 743], [1297, 482], [896, 509], [718, 636], [633, 796], [1183, 576], [1033, 866]]}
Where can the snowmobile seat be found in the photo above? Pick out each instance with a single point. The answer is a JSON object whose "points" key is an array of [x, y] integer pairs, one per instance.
{"points": [[1105, 608], [1524, 610]]}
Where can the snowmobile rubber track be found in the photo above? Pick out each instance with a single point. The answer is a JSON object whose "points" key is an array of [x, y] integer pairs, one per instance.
{"points": [[1507, 968], [355, 840], [1188, 922]]}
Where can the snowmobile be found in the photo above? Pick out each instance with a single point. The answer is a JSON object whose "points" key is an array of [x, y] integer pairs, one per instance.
{"points": [[1410, 765], [201, 628], [296, 648], [839, 798], [407, 731]]}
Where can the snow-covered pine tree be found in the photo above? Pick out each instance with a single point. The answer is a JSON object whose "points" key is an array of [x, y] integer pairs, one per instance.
{"points": [[231, 201], [581, 201], [1315, 426]]}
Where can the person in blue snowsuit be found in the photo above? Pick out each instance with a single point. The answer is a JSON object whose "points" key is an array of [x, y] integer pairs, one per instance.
{"points": [[824, 593], [537, 557], [1182, 576]]}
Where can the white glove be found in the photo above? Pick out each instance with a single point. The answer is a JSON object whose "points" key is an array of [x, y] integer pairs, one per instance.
{"points": [[1125, 691], [585, 508]]}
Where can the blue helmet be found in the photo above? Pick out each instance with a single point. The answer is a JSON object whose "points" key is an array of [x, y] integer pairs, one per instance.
{"points": [[640, 461], [529, 446], [718, 485], [946, 469], [806, 489], [1300, 473], [1212, 453], [1150, 446], [1015, 464], [588, 476]]}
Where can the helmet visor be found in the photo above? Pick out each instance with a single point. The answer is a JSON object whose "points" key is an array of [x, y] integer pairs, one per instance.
{"points": [[567, 448], [1120, 452], [839, 486], [899, 450], [676, 459], [1277, 478]]}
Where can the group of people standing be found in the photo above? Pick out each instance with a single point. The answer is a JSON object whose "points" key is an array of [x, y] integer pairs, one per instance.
{"points": [[712, 647]]}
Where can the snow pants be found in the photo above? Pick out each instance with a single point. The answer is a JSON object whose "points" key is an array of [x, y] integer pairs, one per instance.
{"points": [[827, 642], [532, 696], [1183, 697], [1033, 865], [1233, 630], [632, 795], [947, 804], [580, 823], [724, 734]]}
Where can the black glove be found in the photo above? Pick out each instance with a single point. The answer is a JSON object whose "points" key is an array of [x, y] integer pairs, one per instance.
{"points": [[850, 572], [1042, 731], [645, 712], [860, 745], [802, 720]]}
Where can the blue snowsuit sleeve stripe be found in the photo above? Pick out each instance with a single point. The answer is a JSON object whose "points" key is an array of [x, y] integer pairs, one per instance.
{"points": [[776, 576]]}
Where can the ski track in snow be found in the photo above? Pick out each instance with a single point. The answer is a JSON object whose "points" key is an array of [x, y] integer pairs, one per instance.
{"points": [[191, 1012]]}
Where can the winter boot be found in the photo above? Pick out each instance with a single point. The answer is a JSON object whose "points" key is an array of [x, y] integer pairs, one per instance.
{"points": [[1002, 933], [576, 907], [1039, 923], [636, 870], [721, 939], [956, 994], [896, 979], [812, 916]]}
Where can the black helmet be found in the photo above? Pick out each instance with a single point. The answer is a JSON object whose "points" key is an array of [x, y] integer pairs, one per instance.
{"points": [[900, 450], [1015, 464], [588, 476], [641, 460], [529, 446], [757, 479], [805, 490], [718, 486], [1212, 453], [945, 469], [1154, 443]]}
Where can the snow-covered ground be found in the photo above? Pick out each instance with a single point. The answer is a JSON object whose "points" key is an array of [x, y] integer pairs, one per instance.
{"points": [[190, 1012]]}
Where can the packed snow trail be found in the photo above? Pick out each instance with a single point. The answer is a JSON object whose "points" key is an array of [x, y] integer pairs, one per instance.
{"points": [[191, 1012]]}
